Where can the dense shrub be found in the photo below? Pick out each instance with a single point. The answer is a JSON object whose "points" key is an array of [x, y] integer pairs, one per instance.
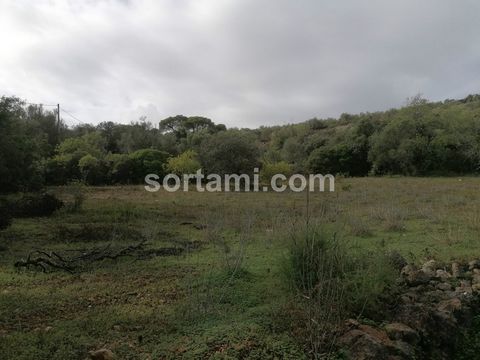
{"points": [[36, 205], [185, 163], [148, 161]]}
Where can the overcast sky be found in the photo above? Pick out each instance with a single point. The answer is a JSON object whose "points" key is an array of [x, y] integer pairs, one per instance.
{"points": [[244, 63]]}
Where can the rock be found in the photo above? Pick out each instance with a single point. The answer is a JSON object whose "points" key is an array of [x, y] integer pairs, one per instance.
{"points": [[408, 270], [369, 343], [456, 270], [352, 323], [474, 264], [414, 276], [465, 287], [48, 328], [476, 278], [444, 286], [442, 274], [428, 312], [399, 331], [361, 346], [101, 354], [450, 305], [429, 267]]}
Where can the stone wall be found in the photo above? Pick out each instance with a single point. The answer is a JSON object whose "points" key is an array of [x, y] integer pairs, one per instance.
{"points": [[436, 302]]}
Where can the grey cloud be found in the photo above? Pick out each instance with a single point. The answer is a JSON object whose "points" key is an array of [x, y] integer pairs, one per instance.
{"points": [[240, 62]]}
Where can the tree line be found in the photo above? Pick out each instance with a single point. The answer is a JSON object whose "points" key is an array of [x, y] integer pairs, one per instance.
{"points": [[420, 138]]}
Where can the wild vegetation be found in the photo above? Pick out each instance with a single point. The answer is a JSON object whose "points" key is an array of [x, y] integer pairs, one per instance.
{"points": [[421, 138], [224, 275], [240, 285]]}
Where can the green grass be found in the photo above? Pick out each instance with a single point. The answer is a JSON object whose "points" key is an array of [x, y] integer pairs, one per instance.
{"points": [[195, 305]]}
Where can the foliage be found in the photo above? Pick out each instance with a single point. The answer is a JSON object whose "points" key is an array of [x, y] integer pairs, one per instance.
{"points": [[229, 152], [420, 138], [333, 283], [181, 125], [121, 168], [271, 168], [21, 148], [148, 161], [185, 163], [93, 170]]}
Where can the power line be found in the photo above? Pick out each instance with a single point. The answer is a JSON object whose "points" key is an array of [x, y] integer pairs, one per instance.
{"points": [[59, 110], [72, 116]]}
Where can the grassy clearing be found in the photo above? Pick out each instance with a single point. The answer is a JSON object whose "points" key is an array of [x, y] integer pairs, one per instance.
{"points": [[224, 299]]}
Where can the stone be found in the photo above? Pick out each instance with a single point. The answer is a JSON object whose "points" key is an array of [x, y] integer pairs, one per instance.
{"points": [[474, 264], [414, 276], [444, 286], [456, 270], [399, 331], [429, 267], [442, 274], [450, 305], [361, 345], [352, 323], [465, 287], [369, 343], [101, 354], [408, 270], [429, 311], [476, 278]]}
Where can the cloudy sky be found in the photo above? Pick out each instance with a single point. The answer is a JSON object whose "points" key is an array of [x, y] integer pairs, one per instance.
{"points": [[244, 63]]}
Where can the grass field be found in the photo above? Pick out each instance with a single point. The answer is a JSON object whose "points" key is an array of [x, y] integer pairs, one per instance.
{"points": [[225, 295]]}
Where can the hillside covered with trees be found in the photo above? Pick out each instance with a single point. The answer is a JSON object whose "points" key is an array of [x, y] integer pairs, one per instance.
{"points": [[420, 138]]}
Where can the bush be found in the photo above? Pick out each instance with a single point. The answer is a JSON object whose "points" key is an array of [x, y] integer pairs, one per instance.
{"points": [[185, 163], [269, 169], [36, 205], [333, 283], [313, 255], [148, 161]]}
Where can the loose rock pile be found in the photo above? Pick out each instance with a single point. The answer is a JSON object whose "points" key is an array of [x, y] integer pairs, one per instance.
{"points": [[436, 302]]}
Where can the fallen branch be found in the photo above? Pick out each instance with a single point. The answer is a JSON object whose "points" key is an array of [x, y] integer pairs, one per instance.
{"points": [[79, 259]]}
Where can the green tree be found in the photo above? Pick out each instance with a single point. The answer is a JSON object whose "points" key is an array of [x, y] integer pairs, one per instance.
{"points": [[148, 161], [22, 148], [93, 170], [269, 169], [229, 152], [185, 163]]}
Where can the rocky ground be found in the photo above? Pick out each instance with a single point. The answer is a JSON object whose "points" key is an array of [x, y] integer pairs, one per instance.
{"points": [[437, 301]]}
